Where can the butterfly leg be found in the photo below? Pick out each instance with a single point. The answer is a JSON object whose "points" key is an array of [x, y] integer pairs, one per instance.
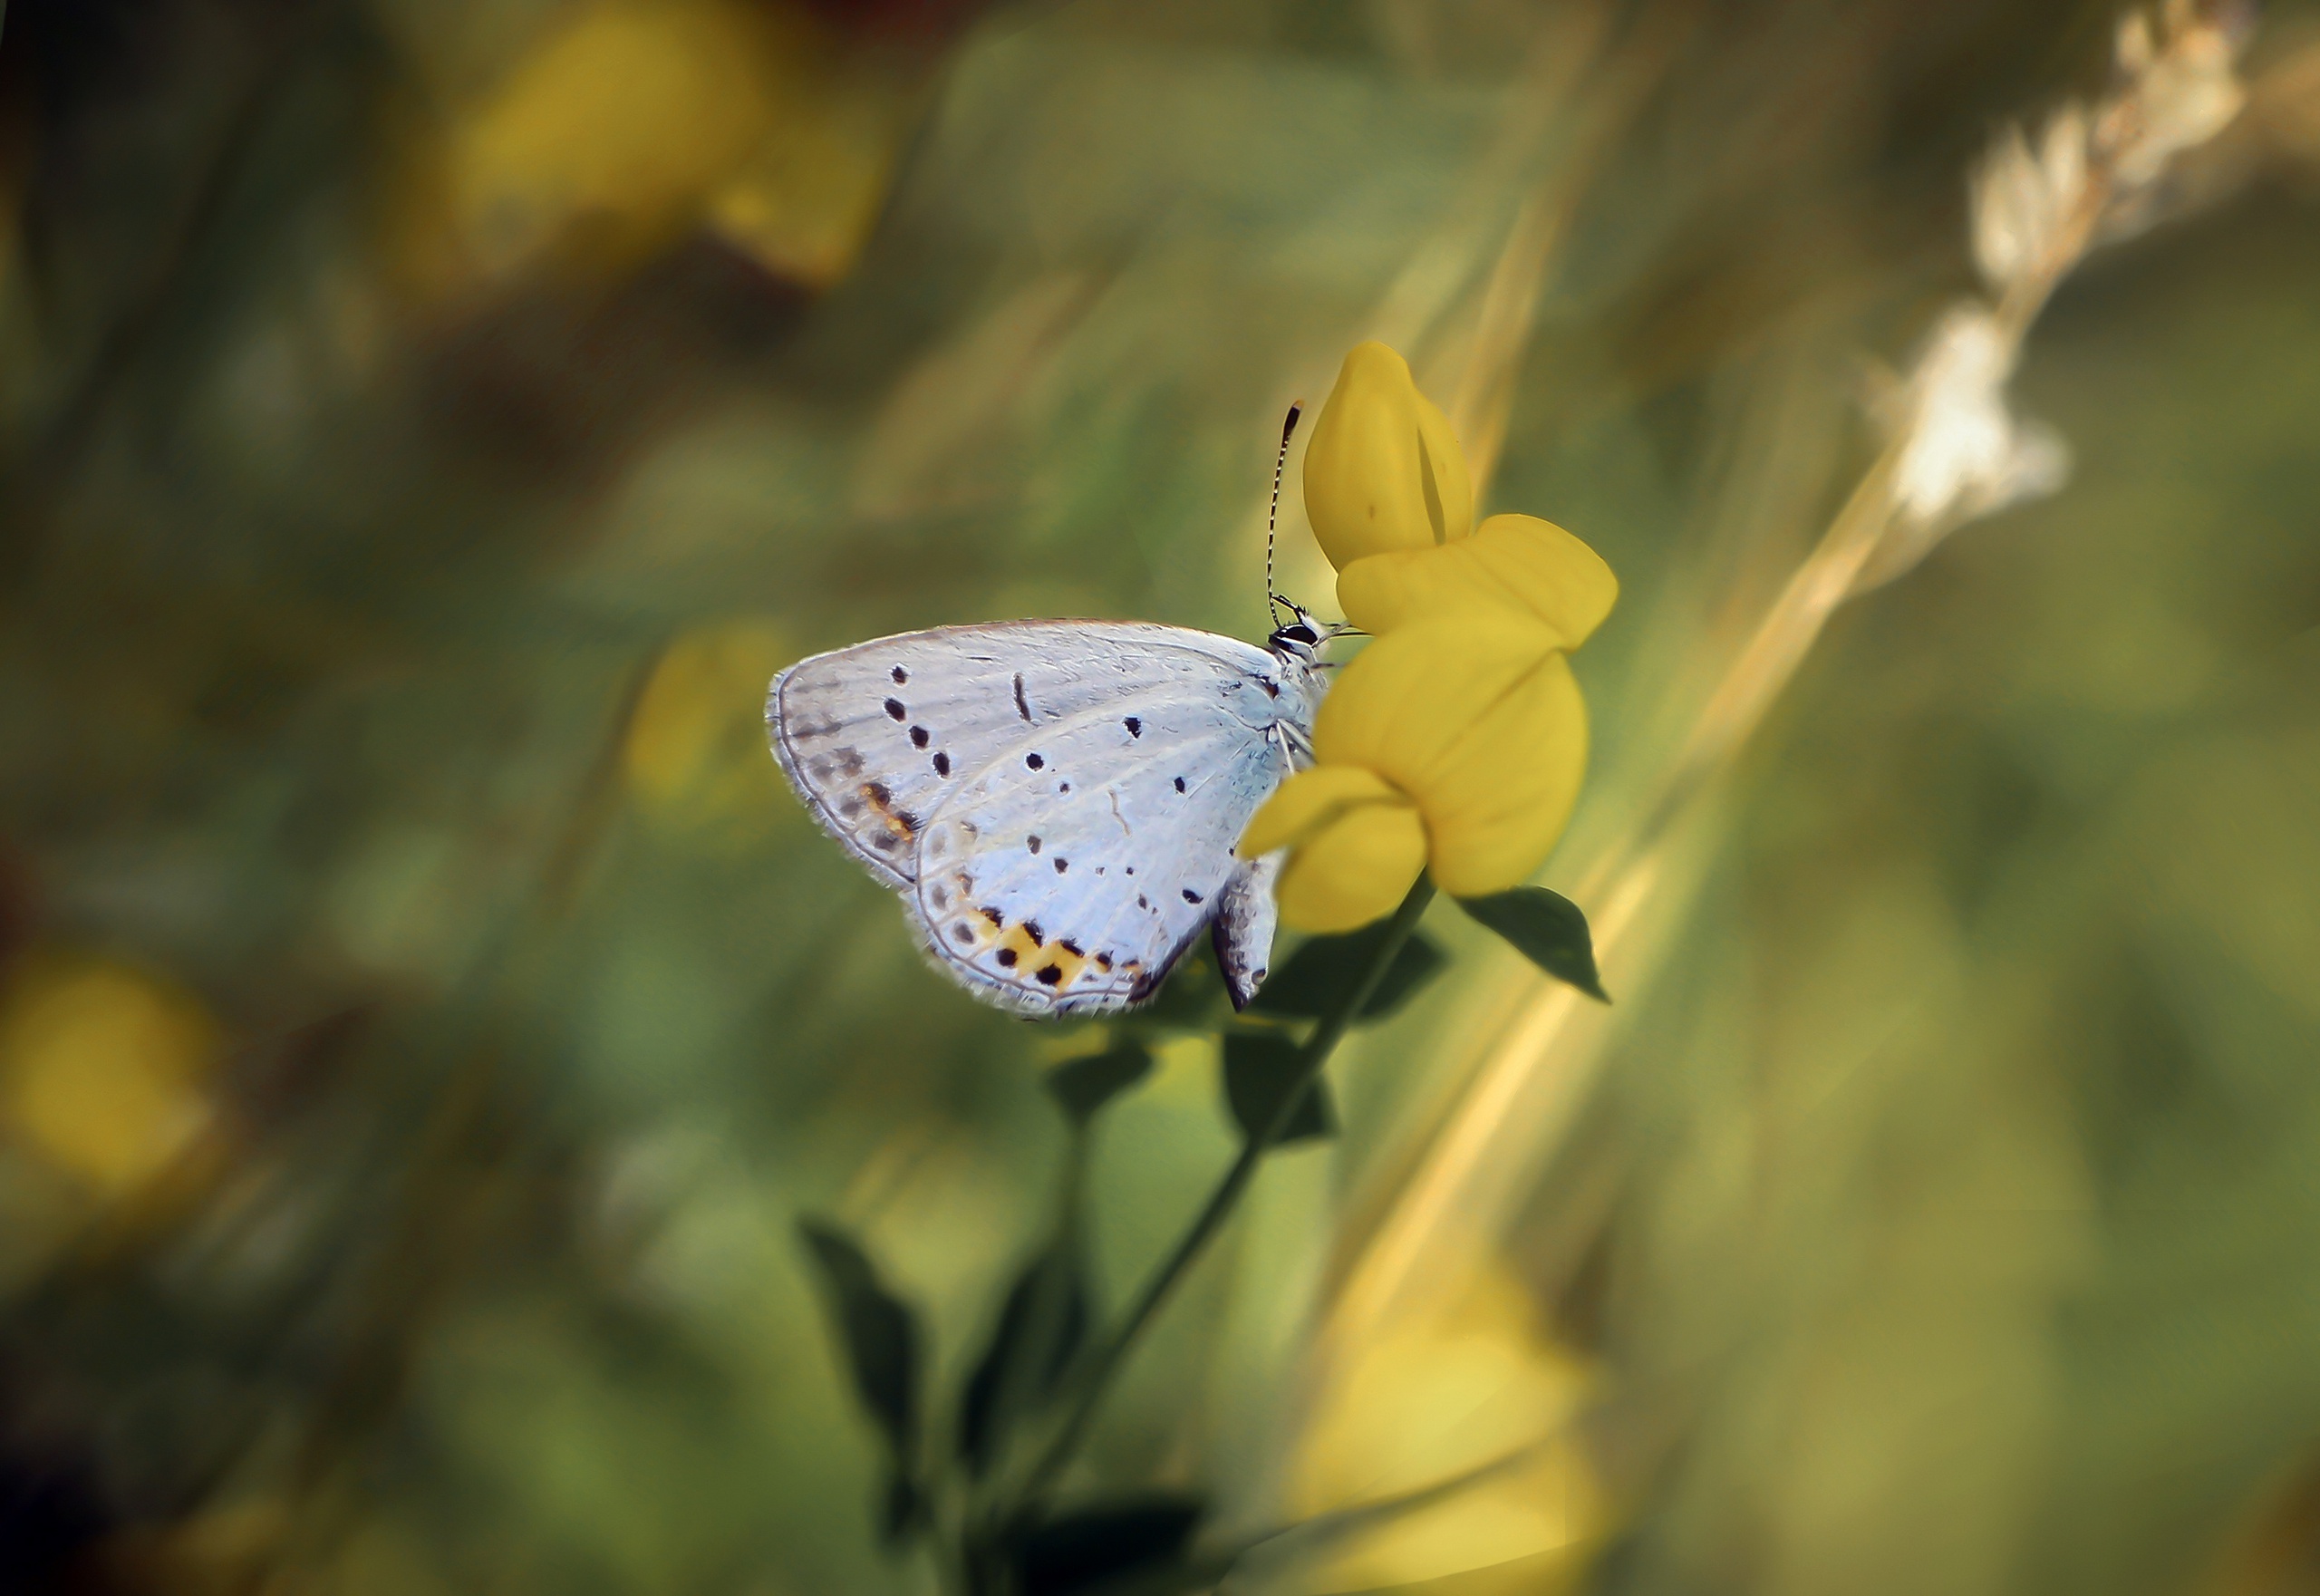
{"points": [[1244, 927], [1295, 745]]}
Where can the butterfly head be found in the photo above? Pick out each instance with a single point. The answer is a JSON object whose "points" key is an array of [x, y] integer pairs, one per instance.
{"points": [[1302, 638]]}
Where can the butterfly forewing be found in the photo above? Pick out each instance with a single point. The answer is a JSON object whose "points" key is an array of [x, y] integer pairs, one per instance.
{"points": [[872, 737], [1057, 800]]}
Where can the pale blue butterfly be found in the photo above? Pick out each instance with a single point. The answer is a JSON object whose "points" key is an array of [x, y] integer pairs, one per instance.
{"points": [[1056, 802]]}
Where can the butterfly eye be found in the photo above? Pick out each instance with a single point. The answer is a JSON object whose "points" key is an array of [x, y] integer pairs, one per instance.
{"points": [[1298, 633]]}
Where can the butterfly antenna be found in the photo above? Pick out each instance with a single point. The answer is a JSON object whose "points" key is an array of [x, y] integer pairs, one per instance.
{"points": [[1273, 601]]}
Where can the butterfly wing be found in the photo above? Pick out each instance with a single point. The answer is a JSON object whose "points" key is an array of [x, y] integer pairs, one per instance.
{"points": [[1057, 801]]}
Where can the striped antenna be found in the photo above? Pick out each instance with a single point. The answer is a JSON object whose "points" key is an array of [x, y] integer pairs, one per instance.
{"points": [[1273, 601]]}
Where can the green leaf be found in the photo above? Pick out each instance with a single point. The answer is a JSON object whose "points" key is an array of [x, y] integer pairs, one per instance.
{"points": [[903, 1512], [1546, 928], [877, 1333], [1100, 1546], [1084, 1085], [1260, 1068], [1321, 972], [1043, 1324]]}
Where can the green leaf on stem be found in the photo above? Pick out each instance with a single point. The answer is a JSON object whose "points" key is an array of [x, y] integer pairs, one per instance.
{"points": [[1261, 1069], [1084, 1085], [877, 1333], [1325, 968], [1041, 1327], [903, 1512], [1143, 1540], [1546, 928]]}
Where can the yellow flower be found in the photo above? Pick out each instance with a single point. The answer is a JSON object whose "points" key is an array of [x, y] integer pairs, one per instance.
{"points": [[1456, 742], [1467, 724], [1383, 471]]}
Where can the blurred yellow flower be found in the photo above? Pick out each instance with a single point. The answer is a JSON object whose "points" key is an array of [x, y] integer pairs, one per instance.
{"points": [[634, 121], [694, 755], [1472, 1384], [103, 1068], [1456, 742], [1383, 471], [621, 124]]}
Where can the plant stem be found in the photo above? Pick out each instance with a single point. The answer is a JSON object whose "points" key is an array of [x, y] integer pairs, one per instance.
{"points": [[1100, 1370]]}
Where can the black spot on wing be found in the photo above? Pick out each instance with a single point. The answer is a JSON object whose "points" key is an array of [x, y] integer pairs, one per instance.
{"points": [[1032, 843], [1180, 784], [919, 737], [1007, 958], [894, 708], [1035, 762], [942, 764], [1062, 865], [1191, 896], [1135, 727], [1050, 975], [1023, 707], [901, 676]]}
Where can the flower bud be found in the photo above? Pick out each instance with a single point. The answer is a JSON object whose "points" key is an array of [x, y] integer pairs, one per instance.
{"points": [[1383, 471]]}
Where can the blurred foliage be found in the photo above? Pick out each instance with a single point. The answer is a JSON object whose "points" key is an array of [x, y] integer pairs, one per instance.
{"points": [[425, 1016]]}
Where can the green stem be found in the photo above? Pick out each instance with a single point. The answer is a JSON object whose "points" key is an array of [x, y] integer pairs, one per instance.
{"points": [[1100, 1370]]}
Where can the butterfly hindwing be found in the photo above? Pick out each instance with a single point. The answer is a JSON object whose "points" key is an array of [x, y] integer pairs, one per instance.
{"points": [[1070, 876], [1057, 801]]}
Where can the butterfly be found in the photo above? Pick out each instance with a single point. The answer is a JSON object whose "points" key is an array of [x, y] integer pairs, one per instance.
{"points": [[1056, 802]]}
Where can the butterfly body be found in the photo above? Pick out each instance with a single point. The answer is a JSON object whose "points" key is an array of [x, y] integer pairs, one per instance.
{"points": [[1056, 802]]}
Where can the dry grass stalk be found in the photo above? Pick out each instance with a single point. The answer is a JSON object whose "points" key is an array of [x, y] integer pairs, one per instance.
{"points": [[1953, 452]]}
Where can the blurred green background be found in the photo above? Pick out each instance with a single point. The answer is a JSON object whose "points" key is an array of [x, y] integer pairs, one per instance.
{"points": [[423, 1013]]}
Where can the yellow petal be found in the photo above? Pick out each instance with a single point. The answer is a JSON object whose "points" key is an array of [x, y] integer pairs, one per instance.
{"points": [[1309, 801], [1517, 561], [1383, 471], [1445, 465], [1476, 717], [1355, 869]]}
